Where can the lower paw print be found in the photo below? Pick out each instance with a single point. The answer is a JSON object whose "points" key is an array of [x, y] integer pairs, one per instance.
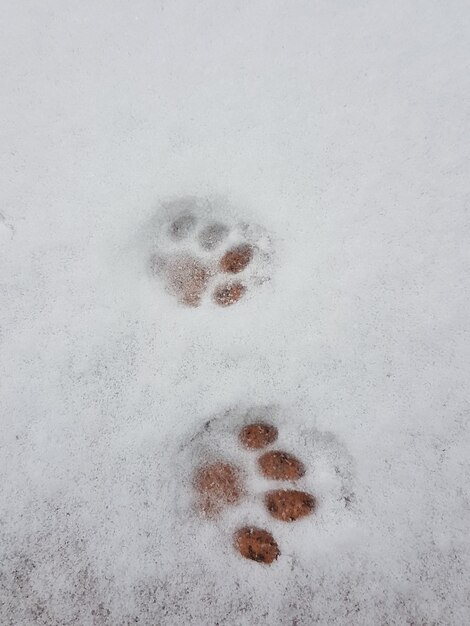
{"points": [[241, 454], [200, 256]]}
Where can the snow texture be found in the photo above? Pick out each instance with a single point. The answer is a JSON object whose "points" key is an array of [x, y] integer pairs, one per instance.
{"points": [[340, 128]]}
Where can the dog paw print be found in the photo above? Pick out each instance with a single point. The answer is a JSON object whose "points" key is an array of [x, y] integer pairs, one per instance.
{"points": [[200, 256], [220, 484], [257, 475]]}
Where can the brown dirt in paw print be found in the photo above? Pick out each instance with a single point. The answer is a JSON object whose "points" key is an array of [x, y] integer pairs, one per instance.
{"points": [[258, 435], [288, 505], [279, 465], [218, 485], [227, 295], [256, 544], [187, 278], [236, 259]]}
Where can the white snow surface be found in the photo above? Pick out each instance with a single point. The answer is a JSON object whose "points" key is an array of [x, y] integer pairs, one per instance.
{"points": [[343, 129]]}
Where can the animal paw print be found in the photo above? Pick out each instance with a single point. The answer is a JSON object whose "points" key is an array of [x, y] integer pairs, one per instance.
{"points": [[198, 255], [220, 484]]}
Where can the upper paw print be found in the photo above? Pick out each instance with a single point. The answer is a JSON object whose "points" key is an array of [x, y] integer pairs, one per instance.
{"points": [[202, 257]]}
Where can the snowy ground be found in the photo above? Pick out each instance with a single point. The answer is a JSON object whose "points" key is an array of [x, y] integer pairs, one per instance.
{"points": [[343, 128]]}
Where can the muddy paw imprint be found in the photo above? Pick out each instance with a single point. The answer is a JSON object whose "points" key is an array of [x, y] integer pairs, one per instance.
{"points": [[199, 255], [237, 456]]}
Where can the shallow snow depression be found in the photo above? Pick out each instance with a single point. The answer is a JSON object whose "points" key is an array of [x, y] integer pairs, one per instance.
{"points": [[339, 133]]}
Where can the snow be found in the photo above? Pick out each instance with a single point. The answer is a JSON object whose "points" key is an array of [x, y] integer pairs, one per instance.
{"points": [[342, 130]]}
